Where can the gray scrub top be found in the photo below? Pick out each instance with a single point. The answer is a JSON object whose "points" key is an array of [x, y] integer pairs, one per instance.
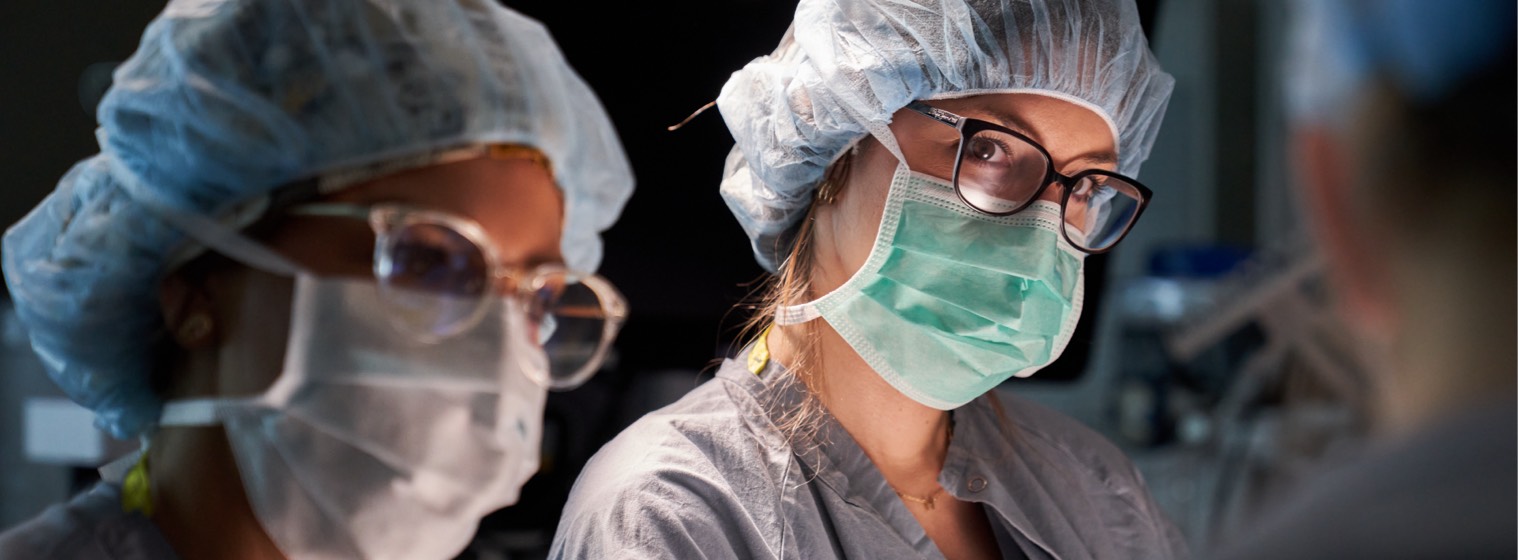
{"points": [[92, 526], [711, 476], [1447, 491]]}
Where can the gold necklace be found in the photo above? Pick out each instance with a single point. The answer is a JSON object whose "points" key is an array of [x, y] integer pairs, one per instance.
{"points": [[930, 501], [927, 503]]}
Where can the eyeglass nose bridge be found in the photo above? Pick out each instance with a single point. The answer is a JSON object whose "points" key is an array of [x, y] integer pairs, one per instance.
{"points": [[504, 280], [1065, 183], [507, 281]]}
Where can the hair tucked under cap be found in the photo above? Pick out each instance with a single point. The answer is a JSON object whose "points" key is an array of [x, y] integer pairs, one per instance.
{"points": [[846, 66]]}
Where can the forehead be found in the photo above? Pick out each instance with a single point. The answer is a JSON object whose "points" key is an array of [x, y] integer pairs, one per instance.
{"points": [[515, 201]]}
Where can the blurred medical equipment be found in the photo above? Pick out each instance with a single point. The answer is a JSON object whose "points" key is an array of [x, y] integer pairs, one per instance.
{"points": [[49, 446], [1246, 377]]}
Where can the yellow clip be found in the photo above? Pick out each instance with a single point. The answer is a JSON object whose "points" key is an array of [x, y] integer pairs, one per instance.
{"points": [[136, 495], [759, 355]]}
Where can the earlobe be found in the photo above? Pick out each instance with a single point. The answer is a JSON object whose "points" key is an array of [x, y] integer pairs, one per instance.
{"points": [[187, 312], [196, 331], [1350, 251]]}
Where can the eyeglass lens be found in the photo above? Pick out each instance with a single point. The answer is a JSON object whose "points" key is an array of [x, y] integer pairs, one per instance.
{"points": [[433, 277], [439, 283], [1100, 209], [571, 318], [1000, 173]]}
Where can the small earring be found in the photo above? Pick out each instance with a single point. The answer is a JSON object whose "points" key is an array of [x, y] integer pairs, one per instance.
{"points": [[195, 329]]}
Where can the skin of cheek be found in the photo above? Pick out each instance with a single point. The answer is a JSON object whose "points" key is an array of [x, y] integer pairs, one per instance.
{"points": [[258, 327], [253, 307], [845, 230]]}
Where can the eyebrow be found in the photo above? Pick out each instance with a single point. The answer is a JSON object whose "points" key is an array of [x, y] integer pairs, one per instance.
{"points": [[1100, 157]]}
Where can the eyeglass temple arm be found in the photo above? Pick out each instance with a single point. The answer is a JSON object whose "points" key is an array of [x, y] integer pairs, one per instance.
{"points": [[937, 114], [332, 209]]}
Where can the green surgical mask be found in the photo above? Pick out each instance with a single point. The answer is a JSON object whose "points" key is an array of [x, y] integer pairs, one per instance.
{"points": [[952, 302]]}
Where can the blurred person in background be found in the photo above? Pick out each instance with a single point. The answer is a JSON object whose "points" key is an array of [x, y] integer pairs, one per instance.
{"points": [[925, 180], [328, 261], [1404, 130]]}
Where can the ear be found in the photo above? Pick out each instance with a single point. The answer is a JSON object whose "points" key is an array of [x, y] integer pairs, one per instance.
{"points": [[187, 312], [1357, 258]]}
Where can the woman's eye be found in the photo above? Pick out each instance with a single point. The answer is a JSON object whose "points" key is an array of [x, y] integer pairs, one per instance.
{"points": [[422, 261], [985, 150], [1088, 188]]}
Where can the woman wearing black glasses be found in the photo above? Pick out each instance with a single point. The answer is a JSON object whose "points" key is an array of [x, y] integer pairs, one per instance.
{"points": [[925, 179]]}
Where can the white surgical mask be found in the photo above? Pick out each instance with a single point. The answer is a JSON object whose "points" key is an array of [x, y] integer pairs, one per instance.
{"points": [[372, 444]]}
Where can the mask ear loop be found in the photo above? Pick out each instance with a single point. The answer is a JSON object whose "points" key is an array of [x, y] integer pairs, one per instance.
{"points": [[882, 133], [804, 312], [203, 229], [208, 411], [227, 242], [212, 411]]}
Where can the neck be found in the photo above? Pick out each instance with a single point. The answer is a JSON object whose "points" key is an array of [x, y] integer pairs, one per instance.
{"points": [[1442, 368], [905, 440], [1445, 359], [198, 497]]}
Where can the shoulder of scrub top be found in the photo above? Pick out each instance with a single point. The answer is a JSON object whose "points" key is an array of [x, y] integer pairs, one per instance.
{"points": [[1037, 432], [678, 483]]}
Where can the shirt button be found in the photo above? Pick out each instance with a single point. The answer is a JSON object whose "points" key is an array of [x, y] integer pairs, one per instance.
{"points": [[977, 484]]}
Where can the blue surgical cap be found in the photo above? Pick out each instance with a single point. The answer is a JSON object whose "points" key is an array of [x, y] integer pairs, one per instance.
{"points": [[1423, 49], [846, 66], [225, 101]]}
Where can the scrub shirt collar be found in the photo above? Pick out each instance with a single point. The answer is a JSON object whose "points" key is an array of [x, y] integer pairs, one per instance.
{"points": [[834, 459]]}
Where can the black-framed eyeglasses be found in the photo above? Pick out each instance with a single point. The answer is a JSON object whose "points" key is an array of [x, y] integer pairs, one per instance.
{"points": [[999, 171]]}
